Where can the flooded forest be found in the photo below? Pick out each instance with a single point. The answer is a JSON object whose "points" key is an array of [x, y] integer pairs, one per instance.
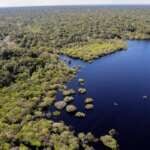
{"points": [[75, 78]]}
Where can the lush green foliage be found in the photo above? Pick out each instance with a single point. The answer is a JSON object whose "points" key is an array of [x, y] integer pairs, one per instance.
{"points": [[31, 73], [59, 26], [109, 141], [36, 77], [95, 49]]}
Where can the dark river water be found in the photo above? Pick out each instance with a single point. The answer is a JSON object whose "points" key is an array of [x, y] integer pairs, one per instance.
{"points": [[122, 78]]}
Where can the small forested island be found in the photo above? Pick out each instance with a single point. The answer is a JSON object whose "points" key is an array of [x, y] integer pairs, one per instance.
{"points": [[32, 39]]}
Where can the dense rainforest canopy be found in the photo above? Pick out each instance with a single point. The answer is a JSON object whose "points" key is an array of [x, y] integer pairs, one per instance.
{"points": [[59, 26], [31, 73]]}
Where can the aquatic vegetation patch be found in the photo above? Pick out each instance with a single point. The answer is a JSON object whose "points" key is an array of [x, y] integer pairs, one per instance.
{"points": [[60, 105], [71, 108], [68, 92], [89, 106], [80, 80], [87, 138], [68, 99], [109, 141], [82, 90], [88, 100], [56, 113], [80, 114]]}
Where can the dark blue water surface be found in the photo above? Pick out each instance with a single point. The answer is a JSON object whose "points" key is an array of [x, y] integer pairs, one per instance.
{"points": [[123, 78]]}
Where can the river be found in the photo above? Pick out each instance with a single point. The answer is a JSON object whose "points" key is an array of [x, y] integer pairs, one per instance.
{"points": [[117, 83]]}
